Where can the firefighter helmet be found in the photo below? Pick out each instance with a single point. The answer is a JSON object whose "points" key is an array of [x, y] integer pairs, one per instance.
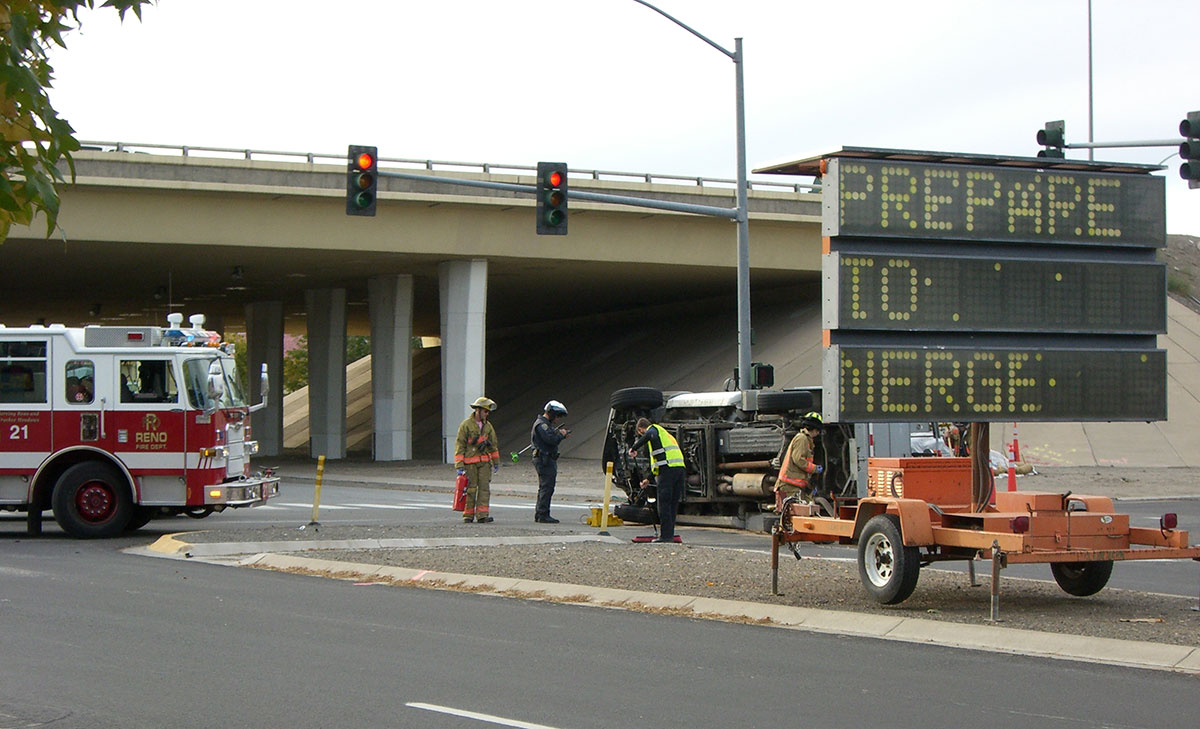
{"points": [[486, 403], [811, 420], [554, 407]]}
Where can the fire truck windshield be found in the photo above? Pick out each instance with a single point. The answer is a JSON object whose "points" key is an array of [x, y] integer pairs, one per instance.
{"points": [[212, 382]]}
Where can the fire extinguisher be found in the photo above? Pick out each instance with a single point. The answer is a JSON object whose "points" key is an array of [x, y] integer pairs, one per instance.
{"points": [[460, 491]]}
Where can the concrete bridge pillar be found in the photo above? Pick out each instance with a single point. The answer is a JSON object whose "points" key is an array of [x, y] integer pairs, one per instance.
{"points": [[264, 345], [391, 309], [463, 297], [326, 372]]}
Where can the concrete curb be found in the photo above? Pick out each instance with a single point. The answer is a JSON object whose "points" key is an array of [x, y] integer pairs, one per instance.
{"points": [[1136, 654], [169, 545]]}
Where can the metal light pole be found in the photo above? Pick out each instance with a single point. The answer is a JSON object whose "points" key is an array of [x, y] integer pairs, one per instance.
{"points": [[743, 218], [1091, 105]]}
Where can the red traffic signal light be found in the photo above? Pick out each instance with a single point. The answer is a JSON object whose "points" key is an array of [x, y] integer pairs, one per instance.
{"points": [[362, 180], [552, 198]]}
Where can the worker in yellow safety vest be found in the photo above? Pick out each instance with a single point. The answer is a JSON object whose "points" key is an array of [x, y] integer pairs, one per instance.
{"points": [[477, 454], [798, 463], [666, 463]]}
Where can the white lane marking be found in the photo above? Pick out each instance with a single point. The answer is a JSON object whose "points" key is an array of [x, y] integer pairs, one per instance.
{"points": [[18, 572], [383, 506], [491, 719], [309, 506], [499, 505]]}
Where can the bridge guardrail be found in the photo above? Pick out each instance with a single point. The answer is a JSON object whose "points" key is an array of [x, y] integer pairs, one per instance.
{"points": [[431, 164]]}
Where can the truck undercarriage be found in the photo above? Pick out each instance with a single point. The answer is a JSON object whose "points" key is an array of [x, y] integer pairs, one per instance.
{"points": [[732, 443]]}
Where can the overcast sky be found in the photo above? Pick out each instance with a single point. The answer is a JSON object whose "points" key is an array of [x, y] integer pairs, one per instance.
{"points": [[609, 84]]}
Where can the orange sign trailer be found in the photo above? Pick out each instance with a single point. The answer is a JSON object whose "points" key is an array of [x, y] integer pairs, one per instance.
{"points": [[919, 511]]}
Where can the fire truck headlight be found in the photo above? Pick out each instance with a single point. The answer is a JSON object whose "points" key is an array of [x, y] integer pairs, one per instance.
{"points": [[214, 493], [251, 447]]}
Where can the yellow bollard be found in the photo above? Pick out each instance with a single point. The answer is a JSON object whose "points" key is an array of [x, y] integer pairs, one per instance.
{"points": [[317, 491], [608, 484]]}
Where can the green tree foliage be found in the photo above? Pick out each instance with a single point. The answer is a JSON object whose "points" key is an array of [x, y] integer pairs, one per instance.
{"points": [[295, 367], [238, 340], [33, 139]]}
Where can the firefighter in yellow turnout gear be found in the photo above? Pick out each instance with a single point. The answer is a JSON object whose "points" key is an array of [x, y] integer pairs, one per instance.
{"points": [[477, 453], [798, 464]]}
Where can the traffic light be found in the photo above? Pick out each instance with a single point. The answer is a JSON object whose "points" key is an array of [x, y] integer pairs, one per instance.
{"points": [[552, 198], [1053, 138], [1190, 149], [762, 375], [362, 180]]}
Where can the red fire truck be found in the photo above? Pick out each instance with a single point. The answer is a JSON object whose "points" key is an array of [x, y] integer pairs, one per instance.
{"points": [[110, 426]]}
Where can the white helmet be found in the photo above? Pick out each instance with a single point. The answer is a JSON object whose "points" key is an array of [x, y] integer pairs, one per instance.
{"points": [[554, 407]]}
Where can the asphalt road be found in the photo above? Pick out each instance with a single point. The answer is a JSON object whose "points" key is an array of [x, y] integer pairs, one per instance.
{"points": [[91, 637]]}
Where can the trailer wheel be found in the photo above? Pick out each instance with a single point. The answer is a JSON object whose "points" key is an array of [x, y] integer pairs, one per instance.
{"points": [[1081, 578], [636, 398], [888, 569], [91, 501]]}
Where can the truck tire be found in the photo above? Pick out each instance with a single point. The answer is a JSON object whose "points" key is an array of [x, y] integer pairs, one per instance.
{"points": [[141, 517], [635, 397], [92, 501], [776, 401], [1081, 578], [888, 569], [635, 514]]}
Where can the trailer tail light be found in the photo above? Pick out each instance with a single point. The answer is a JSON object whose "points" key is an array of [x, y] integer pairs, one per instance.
{"points": [[1018, 524], [1168, 521]]}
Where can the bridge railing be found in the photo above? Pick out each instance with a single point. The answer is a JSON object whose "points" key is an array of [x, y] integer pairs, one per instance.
{"points": [[431, 164]]}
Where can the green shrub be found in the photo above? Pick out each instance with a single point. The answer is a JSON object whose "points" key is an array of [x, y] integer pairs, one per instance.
{"points": [[1179, 284]]}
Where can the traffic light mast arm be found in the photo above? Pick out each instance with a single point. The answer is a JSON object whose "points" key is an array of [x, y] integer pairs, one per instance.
{"points": [[1134, 143], [730, 213]]}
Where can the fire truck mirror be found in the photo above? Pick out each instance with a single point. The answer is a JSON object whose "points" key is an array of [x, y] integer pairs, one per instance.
{"points": [[264, 388]]}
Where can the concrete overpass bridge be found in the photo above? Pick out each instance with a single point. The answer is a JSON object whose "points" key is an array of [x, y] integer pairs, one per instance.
{"points": [[258, 241]]}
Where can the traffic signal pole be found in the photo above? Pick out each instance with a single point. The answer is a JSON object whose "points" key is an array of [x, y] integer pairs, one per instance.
{"points": [[742, 217]]}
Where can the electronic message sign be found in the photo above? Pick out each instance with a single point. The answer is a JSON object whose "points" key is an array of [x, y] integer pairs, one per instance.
{"points": [[980, 290], [959, 293], [879, 197], [981, 384]]}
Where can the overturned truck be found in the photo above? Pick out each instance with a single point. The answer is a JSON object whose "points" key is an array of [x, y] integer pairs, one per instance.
{"points": [[733, 444]]}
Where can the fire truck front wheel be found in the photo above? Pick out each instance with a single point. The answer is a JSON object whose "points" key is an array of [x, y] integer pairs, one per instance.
{"points": [[92, 501]]}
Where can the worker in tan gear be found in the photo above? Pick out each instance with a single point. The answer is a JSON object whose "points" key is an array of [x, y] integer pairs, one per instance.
{"points": [[798, 464], [477, 454]]}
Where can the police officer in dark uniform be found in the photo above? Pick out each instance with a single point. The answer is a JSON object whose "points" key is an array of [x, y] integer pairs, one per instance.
{"points": [[545, 438]]}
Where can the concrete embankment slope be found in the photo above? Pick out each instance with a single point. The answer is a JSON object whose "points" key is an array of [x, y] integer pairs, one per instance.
{"points": [[1173, 442]]}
